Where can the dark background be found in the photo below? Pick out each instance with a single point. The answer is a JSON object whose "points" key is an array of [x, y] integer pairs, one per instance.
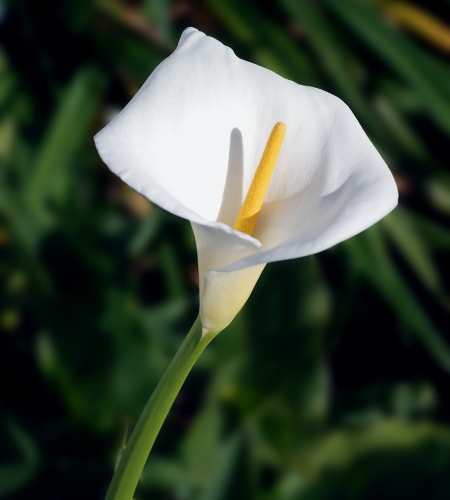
{"points": [[333, 382]]}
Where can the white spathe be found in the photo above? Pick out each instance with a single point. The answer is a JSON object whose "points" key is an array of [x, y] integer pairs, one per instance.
{"points": [[191, 140]]}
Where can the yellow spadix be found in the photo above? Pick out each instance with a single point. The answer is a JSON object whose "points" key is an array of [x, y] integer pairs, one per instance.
{"points": [[248, 215]]}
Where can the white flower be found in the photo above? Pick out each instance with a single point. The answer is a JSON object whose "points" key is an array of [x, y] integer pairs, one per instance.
{"points": [[191, 140]]}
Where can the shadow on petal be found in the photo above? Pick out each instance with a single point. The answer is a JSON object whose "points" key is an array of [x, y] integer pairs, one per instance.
{"points": [[232, 193]]}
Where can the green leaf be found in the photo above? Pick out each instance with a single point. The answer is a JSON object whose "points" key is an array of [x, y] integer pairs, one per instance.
{"points": [[329, 48], [199, 449], [17, 473], [438, 190], [411, 244], [396, 50], [8, 83], [159, 13], [369, 253], [162, 472], [138, 58], [390, 461], [146, 232], [401, 130], [268, 43], [67, 132], [220, 485], [437, 236]]}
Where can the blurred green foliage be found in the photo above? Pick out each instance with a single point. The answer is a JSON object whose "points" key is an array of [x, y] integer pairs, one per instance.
{"points": [[332, 383]]}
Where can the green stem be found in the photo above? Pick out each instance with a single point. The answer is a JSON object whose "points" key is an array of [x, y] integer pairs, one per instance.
{"points": [[135, 454]]}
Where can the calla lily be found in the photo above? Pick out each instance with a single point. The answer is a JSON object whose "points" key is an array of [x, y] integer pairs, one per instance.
{"points": [[191, 140]]}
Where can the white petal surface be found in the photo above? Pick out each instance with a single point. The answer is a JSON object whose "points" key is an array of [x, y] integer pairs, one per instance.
{"points": [[192, 137], [351, 189]]}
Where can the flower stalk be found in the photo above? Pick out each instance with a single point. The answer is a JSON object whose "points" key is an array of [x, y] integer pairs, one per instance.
{"points": [[136, 452], [138, 448]]}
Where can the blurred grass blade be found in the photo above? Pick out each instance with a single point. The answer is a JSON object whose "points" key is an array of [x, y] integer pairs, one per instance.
{"points": [[16, 474], [270, 45], [162, 472], [396, 50], [26, 232], [343, 447], [8, 82], [132, 18], [172, 271], [436, 236], [158, 11], [401, 130], [220, 486], [136, 60], [146, 232], [406, 99], [420, 22], [199, 448], [330, 50], [402, 231], [67, 132], [370, 255], [438, 190]]}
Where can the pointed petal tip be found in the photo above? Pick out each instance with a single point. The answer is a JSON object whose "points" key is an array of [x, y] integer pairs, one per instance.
{"points": [[187, 33], [189, 30]]}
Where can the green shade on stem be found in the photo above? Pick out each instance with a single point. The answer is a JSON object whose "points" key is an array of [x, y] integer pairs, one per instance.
{"points": [[135, 454]]}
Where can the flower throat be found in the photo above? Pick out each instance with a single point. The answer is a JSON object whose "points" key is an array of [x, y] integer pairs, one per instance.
{"points": [[248, 215]]}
